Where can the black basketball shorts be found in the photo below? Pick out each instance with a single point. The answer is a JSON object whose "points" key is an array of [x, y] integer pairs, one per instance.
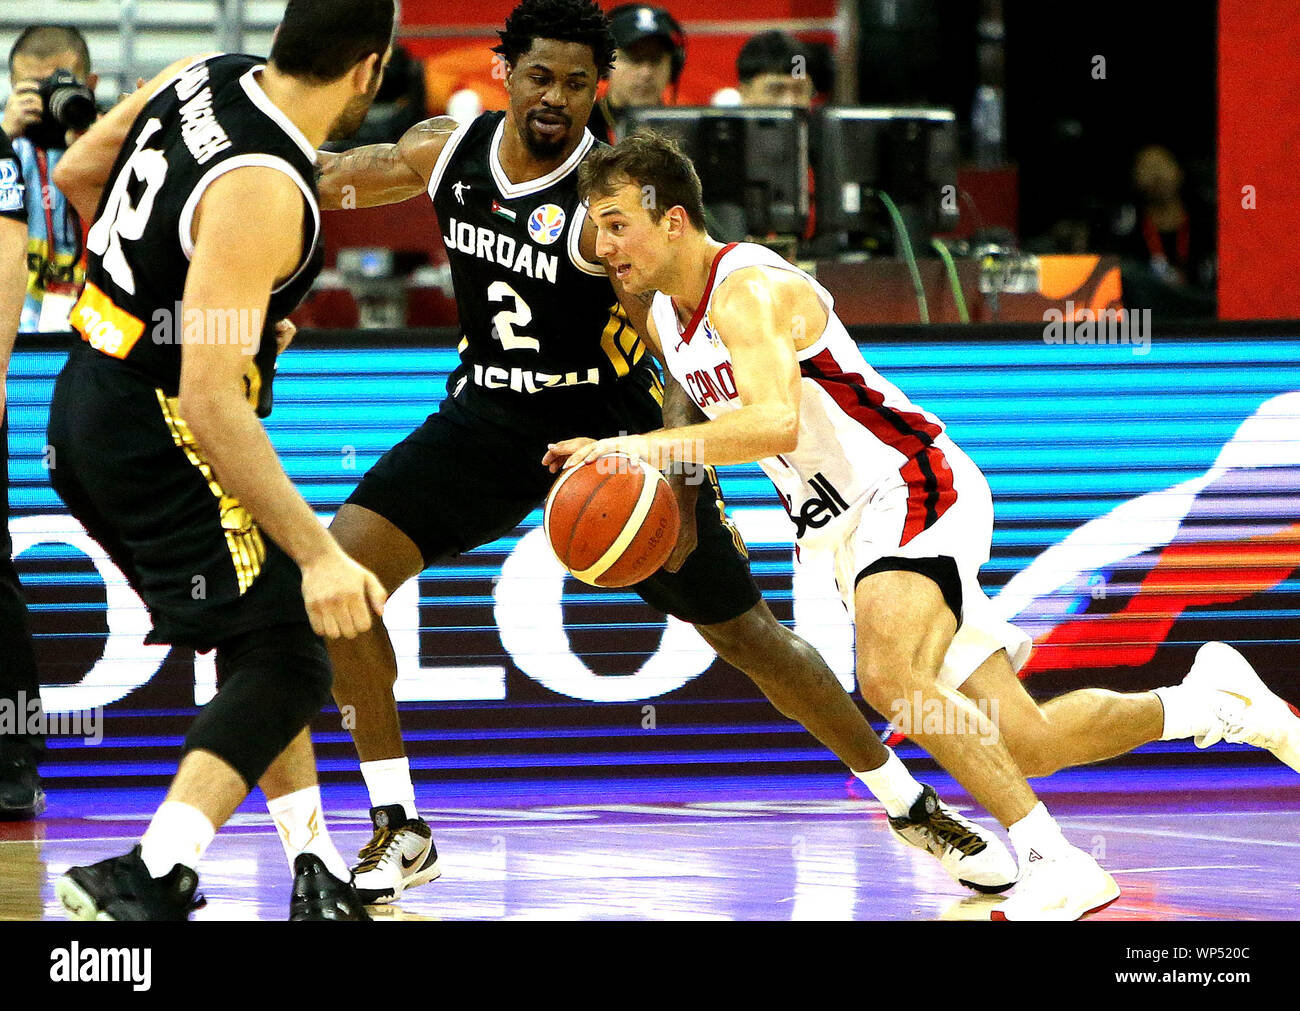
{"points": [[128, 469], [461, 480]]}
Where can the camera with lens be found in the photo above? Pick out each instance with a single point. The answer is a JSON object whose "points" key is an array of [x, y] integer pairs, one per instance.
{"points": [[69, 105]]}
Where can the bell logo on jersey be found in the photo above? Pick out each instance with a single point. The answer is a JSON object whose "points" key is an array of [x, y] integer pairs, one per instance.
{"points": [[546, 224], [816, 512]]}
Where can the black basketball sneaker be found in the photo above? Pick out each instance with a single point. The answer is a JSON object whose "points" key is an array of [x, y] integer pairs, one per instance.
{"points": [[973, 856], [400, 855], [21, 795], [120, 888], [319, 895]]}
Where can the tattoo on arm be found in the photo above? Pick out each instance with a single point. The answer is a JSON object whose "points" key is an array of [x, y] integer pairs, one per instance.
{"points": [[385, 173], [372, 158]]}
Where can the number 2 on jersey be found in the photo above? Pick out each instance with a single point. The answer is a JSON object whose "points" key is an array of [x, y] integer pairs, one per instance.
{"points": [[504, 322]]}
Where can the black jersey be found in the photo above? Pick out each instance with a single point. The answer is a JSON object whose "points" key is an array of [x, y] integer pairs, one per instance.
{"points": [[211, 118], [542, 330]]}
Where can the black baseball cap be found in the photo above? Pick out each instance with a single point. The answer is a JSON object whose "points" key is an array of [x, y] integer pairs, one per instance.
{"points": [[630, 23]]}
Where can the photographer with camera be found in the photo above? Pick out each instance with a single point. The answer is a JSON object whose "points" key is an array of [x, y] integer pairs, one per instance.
{"points": [[51, 103]]}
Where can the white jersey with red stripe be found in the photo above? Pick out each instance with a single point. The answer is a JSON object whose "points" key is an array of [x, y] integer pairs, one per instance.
{"points": [[855, 427]]}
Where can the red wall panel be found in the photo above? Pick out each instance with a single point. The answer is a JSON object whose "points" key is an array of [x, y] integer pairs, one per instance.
{"points": [[1259, 147]]}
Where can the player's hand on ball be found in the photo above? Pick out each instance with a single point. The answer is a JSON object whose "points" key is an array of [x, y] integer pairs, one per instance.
{"points": [[575, 452], [558, 452], [340, 596]]}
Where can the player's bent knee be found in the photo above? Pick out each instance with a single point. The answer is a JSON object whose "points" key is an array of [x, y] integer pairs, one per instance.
{"points": [[271, 682], [883, 667], [375, 542], [880, 689]]}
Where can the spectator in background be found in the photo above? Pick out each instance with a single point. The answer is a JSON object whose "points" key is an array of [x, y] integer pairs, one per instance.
{"points": [[774, 69], [40, 135], [1166, 237], [650, 56], [21, 796], [1165, 223]]}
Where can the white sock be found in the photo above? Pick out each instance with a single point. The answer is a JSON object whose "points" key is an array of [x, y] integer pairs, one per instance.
{"points": [[892, 785], [1187, 713], [389, 782], [177, 834], [1036, 836], [300, 823]]}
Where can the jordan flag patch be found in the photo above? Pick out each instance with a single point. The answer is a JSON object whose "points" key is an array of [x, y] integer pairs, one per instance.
{"points": [[505, 212]]}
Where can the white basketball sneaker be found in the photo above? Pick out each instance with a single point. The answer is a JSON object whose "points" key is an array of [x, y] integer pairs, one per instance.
{"points": [[1245, 710], [1068, 885], [973, 856], [400, 855]]}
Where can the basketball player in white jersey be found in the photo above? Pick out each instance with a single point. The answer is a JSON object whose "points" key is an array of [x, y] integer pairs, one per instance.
{"points": [[473, 470], [907, 516]]}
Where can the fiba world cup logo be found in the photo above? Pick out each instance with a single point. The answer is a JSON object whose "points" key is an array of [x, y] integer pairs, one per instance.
{"points": [[546, 224]]}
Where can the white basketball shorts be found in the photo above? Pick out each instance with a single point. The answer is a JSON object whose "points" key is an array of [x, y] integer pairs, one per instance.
{"points": [[963, 532]]}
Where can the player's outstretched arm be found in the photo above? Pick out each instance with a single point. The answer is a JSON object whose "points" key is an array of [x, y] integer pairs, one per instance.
{"points": [[235, 264], [383, 173], [83, 171]]}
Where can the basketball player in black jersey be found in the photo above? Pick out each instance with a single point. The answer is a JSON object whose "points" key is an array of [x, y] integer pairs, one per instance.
{"points": [[550, 350], [207, 232]]}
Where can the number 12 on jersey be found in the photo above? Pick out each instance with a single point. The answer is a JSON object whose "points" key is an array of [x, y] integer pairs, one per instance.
{"points": [[124, 218]]}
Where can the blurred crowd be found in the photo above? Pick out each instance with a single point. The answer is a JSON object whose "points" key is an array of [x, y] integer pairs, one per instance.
{"points": [[1160, 220], [1159, 217]]}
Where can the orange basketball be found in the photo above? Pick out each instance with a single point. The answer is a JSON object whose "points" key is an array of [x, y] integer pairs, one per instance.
{"points": [[613, 521]]}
